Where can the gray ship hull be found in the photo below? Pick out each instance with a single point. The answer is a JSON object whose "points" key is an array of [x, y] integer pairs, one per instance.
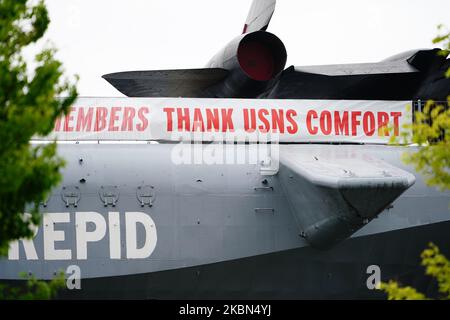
{"points": [[220, 233], [294, 274]]}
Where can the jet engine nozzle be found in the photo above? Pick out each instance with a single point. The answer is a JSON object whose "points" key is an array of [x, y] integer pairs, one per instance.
{"points": [[262, 56], [254, 61]]}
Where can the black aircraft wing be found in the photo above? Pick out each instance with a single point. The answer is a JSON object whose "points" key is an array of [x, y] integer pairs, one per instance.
{"points": [[166, 83], [417, 74]]}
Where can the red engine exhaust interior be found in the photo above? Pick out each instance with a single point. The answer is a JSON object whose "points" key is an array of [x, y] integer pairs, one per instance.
{"points": [[262, 56], [256, 60]]}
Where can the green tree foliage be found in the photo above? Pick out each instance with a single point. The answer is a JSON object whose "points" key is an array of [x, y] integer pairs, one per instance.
{"points": [[444, 41], [33, 289], [431, 131], [436, 265], [29, 106]]}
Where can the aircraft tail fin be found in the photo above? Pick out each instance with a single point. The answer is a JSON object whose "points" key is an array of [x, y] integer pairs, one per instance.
{"points": [[259, 15]]}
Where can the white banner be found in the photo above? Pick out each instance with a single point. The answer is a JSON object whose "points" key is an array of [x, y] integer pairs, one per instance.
{"points": [[172, 119]]}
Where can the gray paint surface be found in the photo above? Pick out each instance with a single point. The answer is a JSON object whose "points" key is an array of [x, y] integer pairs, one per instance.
{"points": [[204, 213]]}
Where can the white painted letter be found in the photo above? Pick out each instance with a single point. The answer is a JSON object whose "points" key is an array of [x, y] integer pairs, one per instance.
{"points": [[131, 220], [28, 245], [114, 235], [51, 236], [83, 236]]}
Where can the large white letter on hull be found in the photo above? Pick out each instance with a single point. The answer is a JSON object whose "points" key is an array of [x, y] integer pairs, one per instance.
{"points": [[131, 220], [28, 245], [114, 235], [83, 236], [51, 236]]}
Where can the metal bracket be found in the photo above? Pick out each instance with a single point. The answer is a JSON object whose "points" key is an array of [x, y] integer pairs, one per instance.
{"points": [[109, 195], [146, 195], [71, 195], [263, 188], [269, 166]]}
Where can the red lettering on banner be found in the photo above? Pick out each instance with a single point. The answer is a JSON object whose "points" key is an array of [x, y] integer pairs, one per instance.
{"points": [[212, 118], [341, 123], [270, 120], [383, 121], [278, 121], [128, 117], [262, 113], [84, 121], [113, 118], [355, 122], [169, 112], [326, 123], [198, 121], [227, 120], [184, 121], [290, 114], [100, 121], [250, 121], [396, 116], [311, 115], [68, 119], [144, 121], [369, 123]]}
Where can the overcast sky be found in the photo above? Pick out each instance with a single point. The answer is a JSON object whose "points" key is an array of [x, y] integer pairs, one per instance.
{"points": [[95, 37]]}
